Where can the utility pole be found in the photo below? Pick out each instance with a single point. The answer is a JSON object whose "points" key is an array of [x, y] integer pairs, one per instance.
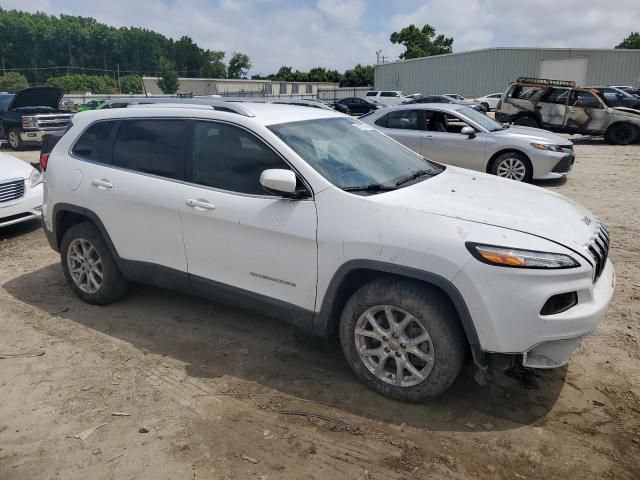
{"points": [[119, 89]]}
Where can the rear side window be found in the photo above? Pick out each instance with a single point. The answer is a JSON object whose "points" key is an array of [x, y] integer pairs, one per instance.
{"points": [[389, 94], [556, 95], [401, 119], [152, 146], [229, 158], [93, 143], [371, 94]]}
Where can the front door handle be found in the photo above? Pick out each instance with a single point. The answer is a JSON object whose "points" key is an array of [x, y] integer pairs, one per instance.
{"points": [[102, 184], [200, 205]]}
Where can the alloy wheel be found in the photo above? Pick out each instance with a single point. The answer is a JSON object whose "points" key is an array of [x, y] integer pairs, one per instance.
{"points": [[513, 168], [394, 346], [14, 141], [85, 265]]}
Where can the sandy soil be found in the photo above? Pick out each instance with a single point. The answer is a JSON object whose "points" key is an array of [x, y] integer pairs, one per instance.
{"points": [[203, 385]]}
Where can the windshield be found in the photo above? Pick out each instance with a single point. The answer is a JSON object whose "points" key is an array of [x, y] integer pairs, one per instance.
{"points": [[351, 154], [481, 119]]}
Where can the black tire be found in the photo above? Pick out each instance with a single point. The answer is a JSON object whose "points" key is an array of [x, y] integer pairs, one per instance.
{"points": [[485, 105], [501, 162], [527, 122], [435, 315], [621, 134], [114, 286], [14, 140]]}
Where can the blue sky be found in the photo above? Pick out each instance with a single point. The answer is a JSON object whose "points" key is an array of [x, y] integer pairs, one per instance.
{"points": [[341, 33]]}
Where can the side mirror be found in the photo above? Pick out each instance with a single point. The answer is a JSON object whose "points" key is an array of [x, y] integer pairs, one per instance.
{"points": [[279, 181], [468, 131]]}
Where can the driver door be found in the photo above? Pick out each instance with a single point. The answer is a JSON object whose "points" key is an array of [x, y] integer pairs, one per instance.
{"points": [[585, 113], [242, 242]]}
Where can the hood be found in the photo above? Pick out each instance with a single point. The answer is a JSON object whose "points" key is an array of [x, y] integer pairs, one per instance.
{"points": [[628, 110], [482, 198], [37, 97], [12, 167], [533, 135]]}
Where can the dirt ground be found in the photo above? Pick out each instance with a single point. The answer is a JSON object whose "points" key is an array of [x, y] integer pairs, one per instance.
{"points": [[204, 386]]}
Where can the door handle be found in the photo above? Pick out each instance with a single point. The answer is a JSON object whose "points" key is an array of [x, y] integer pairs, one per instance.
{"points": [[200, 205], [102, 184]]}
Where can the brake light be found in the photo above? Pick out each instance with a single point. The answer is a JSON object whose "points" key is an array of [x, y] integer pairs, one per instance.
{"points": [[44, 159]]}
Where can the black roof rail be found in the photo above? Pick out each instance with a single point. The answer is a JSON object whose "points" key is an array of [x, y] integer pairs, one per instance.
{"points": [[547, 81]]}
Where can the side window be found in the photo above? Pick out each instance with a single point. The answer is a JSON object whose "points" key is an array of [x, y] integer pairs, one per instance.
{"points": [[229, 158], [93, 143], [388, 94], [295, 88], [283, 89], [382, 121], [555, 95], [584, 100], [404, 119], [371, 94], [151, 146]]}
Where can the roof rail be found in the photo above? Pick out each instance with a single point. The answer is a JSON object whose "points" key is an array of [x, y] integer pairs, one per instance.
{"points": [[547, 81], [171, 102]]}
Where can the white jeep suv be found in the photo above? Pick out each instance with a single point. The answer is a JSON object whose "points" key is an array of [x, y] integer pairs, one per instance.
{"points": [[318, 219]]}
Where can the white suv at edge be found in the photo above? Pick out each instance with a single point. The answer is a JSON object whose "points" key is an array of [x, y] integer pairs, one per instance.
{"points": [[320, 220]]}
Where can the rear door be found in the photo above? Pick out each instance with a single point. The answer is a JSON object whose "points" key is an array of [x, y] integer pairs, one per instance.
{"points": [[405, 126], [133, 187], [552, 107]]}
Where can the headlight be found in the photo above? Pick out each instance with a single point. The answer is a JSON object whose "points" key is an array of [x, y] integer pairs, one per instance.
{"points": [[516, 258], [549, 147], [34, 178], [29, 122]]}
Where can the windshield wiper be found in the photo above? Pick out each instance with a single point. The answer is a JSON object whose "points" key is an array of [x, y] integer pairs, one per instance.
{"points": [[375, 187], [414, 175]]}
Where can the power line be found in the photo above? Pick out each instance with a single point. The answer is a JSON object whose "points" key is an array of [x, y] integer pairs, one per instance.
{"points": [[106, 70]]}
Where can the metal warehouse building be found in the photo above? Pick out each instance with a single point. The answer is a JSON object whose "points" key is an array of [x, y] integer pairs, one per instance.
{"points": [[480, 72]]}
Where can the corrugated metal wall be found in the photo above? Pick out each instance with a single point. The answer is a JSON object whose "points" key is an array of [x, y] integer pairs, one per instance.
{"points": [[481, 72]]}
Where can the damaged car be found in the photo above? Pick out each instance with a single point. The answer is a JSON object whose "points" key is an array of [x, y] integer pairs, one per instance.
{"points": [[560, 106]]}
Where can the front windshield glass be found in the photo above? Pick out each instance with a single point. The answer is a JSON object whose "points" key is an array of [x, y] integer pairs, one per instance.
{"points": [[481, 119], [351, 154]]}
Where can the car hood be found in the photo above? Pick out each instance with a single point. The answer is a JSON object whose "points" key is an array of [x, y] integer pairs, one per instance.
{"points": [[629, 111], [12, 167], [37, 97], [482, 198], [532, 135]]}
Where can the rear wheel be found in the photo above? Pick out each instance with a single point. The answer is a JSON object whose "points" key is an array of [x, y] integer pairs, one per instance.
{"points": [[621, 134], [15, 142], [526, 122], [402, 339], [513, 165], [89, 266], [485, 105]]}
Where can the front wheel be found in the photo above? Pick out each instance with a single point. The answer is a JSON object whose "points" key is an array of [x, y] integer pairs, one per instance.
{"points": [[402, 339], [513, 165], [15, 142], [621, 134]]}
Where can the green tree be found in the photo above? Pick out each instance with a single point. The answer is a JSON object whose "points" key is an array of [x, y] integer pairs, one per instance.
{"points": [[12, 82], [80, 83], [214, 67], [631, 42], [168, 81], [239, 65], [131, 84], [358, 76], [421, 42]]}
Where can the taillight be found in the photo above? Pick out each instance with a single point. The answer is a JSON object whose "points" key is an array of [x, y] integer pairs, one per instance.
{"points": [[44, 159]]}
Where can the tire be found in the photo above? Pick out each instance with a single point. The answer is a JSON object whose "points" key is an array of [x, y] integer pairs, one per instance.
{"points": [[485, 105], [512, 165], [527, 122], [75, 247], [14, 140], [621, 134], [426, 311]]}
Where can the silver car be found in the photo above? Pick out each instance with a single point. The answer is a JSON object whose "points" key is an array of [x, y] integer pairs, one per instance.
{"points": [[458, 135]]}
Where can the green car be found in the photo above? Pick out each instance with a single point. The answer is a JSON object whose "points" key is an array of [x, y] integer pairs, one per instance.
{"points": [[92, 105]]}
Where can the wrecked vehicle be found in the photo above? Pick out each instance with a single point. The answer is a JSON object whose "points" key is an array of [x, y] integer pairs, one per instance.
{"points": [[30, 114], [560, 106]]}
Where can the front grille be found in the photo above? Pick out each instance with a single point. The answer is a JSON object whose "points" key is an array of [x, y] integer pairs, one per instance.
{"points": [[564, 165], [598, 248], [11, 190], [53, 121]]}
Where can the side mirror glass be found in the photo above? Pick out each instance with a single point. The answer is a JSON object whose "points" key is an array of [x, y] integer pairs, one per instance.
{"points": [[279, 181], [468, 131]]}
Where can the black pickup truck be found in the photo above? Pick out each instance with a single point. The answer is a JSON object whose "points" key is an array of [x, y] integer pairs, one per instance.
{"points": [[27, 116]]}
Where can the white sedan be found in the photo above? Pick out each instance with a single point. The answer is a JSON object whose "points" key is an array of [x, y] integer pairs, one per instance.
{"points": [[20, 193], [490, 101]]}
